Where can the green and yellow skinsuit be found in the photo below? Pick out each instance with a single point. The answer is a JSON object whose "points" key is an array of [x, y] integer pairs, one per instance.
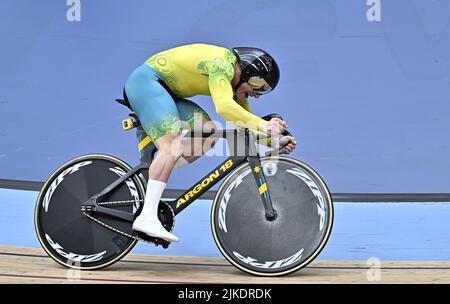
{"points": [[189, 70]]}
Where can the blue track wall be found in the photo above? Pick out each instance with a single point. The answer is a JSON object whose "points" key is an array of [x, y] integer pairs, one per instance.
{"points": [[388, 231], [369, 101]]}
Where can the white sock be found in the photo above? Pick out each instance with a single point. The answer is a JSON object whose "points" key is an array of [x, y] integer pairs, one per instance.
{"points": [[148, 221], [181, 162], [152, 196]]}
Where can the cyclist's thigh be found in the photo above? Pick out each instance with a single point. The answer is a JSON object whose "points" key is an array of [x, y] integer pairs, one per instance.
{"points": [[154, 106], [191, 113]]}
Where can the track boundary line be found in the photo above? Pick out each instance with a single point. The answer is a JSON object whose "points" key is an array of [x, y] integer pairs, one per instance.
{"points": [[225, 265]]}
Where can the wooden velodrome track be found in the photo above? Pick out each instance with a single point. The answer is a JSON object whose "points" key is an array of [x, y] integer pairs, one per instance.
{"points": [[32, 265]]}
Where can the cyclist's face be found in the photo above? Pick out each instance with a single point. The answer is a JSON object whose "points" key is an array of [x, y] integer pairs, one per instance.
{"points": [[245, 90]]}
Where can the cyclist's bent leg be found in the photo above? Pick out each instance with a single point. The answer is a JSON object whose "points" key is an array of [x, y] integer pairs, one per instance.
{"points": [[170, 148], [159, 117], [159, 172], [196, 119]]}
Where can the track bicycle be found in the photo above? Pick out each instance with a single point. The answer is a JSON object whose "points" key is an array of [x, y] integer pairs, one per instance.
{"points": [[272, 215]]}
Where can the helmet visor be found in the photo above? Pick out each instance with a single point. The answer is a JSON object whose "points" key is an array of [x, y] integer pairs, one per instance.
{"points": [[259, 85]]}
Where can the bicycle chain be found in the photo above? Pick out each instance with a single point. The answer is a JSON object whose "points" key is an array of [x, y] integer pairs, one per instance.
{"points": [[117, 230], [119, 202]]}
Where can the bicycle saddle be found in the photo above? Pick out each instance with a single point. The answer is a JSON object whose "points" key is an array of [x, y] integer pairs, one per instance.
{"points": [[124, 101]]}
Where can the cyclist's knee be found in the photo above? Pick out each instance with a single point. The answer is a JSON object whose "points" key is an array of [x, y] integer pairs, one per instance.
{"points": [[208, 126], [170, 145]]}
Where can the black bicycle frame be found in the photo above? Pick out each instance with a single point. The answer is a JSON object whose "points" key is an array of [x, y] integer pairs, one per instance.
{"points": [[234, 138]]}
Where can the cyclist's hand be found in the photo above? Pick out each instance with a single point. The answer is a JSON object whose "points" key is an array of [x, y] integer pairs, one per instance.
{"points": [[274, 126], [288, 143]]}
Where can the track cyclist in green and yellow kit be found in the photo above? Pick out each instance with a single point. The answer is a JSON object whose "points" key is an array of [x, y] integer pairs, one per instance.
{"points": [[157, 90]]}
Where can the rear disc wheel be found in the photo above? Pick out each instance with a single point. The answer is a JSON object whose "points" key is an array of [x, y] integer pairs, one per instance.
{"points": [[70, 237]]}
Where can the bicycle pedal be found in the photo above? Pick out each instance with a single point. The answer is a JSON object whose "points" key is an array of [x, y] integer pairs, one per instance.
{"points": [[154, 240]]}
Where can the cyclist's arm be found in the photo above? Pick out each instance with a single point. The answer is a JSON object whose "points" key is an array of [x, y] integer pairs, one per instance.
{"points": [[222, 95], [246, 105]]}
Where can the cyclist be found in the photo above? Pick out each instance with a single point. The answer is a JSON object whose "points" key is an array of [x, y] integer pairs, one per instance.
{"points": [[157, 90]]}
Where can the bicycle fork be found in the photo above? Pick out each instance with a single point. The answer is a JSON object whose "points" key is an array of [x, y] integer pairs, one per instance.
{"points": [[252, 156], [258, 174]]}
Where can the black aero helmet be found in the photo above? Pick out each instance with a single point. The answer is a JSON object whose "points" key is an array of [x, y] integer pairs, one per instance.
{"points": [[258, 69]]}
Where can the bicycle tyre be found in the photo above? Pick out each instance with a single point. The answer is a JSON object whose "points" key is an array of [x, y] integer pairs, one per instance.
{"points": [[65, 233], [260, 247]]}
